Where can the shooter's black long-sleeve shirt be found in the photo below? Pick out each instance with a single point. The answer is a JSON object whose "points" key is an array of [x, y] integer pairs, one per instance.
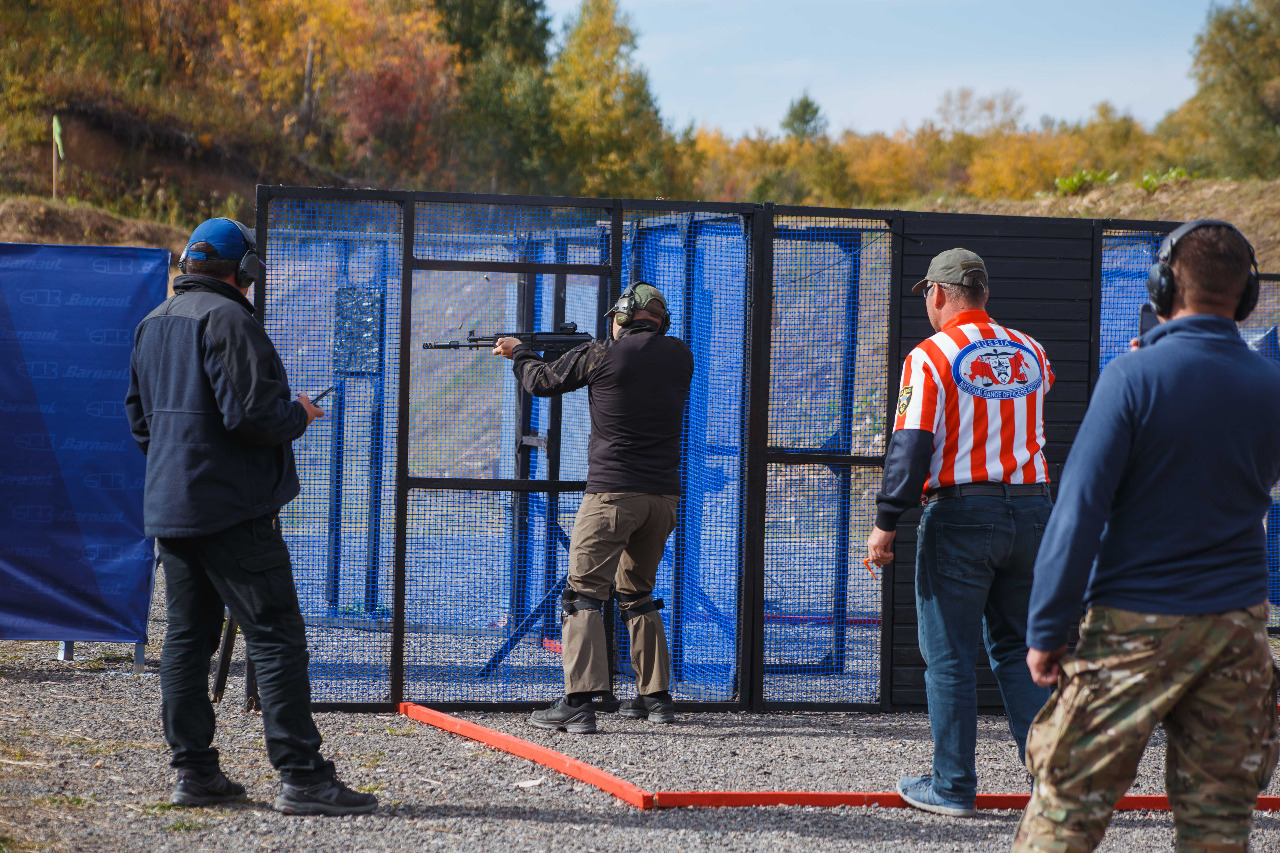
{"points": [[637, 387]]}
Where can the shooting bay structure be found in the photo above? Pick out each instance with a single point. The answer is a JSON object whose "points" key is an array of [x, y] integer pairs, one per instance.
{"points": [[430, 539]]}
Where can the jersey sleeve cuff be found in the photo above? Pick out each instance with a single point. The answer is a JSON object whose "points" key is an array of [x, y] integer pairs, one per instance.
{"points": [[887, 520]]}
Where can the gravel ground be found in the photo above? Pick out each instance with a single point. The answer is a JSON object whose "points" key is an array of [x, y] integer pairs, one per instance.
{"points": [[83, 766]]}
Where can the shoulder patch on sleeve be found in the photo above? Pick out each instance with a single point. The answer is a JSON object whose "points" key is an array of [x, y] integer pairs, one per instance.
{"points": [[904, 400]]}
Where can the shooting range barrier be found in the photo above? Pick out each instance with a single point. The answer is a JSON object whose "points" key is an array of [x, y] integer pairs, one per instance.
{"points": [[74, 564], [430, 540]]}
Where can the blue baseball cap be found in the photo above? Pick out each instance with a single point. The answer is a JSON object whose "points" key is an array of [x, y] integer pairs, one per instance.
{"points": [[231, 240]]}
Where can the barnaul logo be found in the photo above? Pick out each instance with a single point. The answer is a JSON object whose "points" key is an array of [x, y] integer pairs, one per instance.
{"points": [[997, 369]]}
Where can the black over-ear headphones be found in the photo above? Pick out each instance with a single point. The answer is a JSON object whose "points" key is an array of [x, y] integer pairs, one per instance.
{"points": [[1160, 283], [624, 310], [250, 269]]}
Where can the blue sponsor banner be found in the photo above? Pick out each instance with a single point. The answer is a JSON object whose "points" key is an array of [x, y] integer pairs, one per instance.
{"points": [[74, 564]]}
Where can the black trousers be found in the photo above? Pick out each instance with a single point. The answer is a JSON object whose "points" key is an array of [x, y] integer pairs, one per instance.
{"points": [[247, 568]]}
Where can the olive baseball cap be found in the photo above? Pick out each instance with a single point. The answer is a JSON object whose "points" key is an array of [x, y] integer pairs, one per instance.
{"points": [[952, 266]]}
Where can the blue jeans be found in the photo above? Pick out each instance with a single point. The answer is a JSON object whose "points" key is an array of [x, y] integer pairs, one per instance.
{"points": [[974, 561]]}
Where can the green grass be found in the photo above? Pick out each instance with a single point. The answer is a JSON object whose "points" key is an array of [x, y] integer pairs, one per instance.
{"points": [[72, 801]]}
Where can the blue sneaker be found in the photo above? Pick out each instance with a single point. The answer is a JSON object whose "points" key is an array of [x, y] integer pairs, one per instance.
{"points": [[918, 791]]}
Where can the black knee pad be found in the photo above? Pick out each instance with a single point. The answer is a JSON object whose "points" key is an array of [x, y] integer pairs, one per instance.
{"points": [[633, 604], [571, 601]]}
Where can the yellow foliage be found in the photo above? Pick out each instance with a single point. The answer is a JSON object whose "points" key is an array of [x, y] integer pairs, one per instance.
{"points": [[1017, 165], [885, 168]]}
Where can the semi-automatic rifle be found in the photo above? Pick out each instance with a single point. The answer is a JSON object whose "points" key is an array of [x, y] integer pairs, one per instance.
{"points": [[556, 343]]}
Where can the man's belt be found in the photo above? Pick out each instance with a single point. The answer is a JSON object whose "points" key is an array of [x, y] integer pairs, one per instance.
{"points": [[988, 490]]}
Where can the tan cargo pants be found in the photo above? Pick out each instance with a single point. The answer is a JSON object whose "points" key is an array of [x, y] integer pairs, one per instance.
{"points": [[617, 541], [1209, 679]]}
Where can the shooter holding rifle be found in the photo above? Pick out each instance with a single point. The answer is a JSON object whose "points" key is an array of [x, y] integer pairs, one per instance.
{"points": [[637, 384]]}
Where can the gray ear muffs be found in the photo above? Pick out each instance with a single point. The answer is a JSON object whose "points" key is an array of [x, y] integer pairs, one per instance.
{"points": [[1160, 283], [625, 308]]}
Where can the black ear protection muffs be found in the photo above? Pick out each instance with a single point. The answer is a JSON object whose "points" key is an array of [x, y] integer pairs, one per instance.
{"points": [[250, 269], [1160, 283], [624, 310]]}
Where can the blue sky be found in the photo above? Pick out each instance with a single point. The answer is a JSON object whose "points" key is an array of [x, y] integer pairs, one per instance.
{"points": [[880, 64]]}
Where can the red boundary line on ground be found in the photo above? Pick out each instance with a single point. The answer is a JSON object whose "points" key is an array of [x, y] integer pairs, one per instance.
{"points": [[521, 748], [643, 799]]}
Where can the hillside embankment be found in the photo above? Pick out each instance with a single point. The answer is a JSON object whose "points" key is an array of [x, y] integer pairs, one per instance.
{"points": [[1254, 206], [34, 220]]}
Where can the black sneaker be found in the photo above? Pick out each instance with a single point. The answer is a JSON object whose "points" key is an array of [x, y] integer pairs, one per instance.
{"points": [[329, 797], [566, 718], [198, 789], [648, 708]]}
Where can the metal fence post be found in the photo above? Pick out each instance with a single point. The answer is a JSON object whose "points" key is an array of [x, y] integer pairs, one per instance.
{"points": [[408, 209], [893, 347], [751, 602]]}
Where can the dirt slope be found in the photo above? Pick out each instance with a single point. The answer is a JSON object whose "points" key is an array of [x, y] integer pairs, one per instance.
{"points": [[1253, 206], [33, 220]]}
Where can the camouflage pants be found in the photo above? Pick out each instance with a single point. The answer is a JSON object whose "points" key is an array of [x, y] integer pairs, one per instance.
{"points": [[1209, 679]]}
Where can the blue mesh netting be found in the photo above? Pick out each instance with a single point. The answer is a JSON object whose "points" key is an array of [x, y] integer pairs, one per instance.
{"points": [[333, 284], [700, 263], [828, 375], [821, 604], [472, 611], [1127, 257]]}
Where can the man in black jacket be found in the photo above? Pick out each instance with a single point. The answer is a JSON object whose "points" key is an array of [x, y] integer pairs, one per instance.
{"points": [[209, 405], [637, 385]]}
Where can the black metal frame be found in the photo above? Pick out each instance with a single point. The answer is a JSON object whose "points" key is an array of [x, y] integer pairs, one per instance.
{"points": [[757, 455]]}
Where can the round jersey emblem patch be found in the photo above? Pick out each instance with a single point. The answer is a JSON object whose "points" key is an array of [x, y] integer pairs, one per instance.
{"points": [[996, 369]]}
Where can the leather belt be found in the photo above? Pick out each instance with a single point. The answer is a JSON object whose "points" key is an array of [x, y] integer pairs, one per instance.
{"points": [[988, 490]]}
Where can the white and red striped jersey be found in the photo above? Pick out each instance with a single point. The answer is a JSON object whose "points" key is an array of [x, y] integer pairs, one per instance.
{"points": [[979, 387]]}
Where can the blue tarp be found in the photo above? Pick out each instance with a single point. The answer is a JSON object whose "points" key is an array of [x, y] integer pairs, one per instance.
{"points": [[74, 564]]}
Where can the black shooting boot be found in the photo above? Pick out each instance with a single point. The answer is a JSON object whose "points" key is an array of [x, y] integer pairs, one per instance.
{"points": [[329, 797], [198, 789], [564, 717], [655, 709]]}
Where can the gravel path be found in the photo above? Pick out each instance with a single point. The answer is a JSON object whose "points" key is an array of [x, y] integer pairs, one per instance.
{"points": [[83, 766]]}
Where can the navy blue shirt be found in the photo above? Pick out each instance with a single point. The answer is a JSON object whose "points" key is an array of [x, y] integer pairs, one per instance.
{"points": [[1161, 501]]}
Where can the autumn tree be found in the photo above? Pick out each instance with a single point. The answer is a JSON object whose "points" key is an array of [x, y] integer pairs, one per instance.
{"points": [[394, 109], [613, 141], [1231, 125]]}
